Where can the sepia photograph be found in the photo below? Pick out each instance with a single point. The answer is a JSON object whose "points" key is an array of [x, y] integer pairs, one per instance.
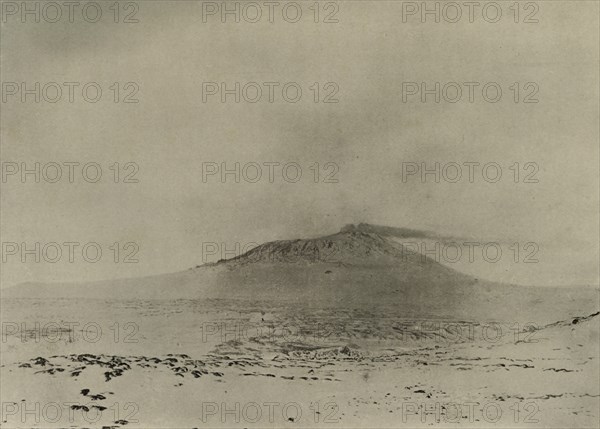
{"points": [[345, 214]]}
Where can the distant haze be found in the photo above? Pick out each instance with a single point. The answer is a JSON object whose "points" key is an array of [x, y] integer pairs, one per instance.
{"points": [[368, 134]]}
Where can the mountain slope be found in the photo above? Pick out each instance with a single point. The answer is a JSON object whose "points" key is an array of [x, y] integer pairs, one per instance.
{"points": [[351, 262], [353, 267]]}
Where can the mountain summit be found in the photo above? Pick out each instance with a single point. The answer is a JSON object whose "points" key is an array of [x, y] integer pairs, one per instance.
{"points": [[350, 246], [362, 244], [387, 231]]}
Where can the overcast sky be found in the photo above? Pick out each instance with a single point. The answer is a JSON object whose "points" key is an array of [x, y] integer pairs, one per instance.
{"points": [[368, 134]]}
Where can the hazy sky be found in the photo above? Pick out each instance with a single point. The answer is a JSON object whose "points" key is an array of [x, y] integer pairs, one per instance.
{"points": [[368, 134]]}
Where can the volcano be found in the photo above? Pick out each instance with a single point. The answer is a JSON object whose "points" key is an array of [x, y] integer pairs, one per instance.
{"points": [[361, 265]]}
